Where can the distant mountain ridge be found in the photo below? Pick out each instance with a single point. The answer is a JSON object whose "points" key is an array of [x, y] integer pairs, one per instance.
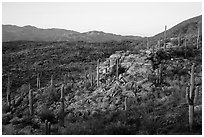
{"points": [[31, 33]]}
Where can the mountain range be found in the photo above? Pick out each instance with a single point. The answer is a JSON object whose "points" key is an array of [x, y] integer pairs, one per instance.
{"points": [[31, 33]]}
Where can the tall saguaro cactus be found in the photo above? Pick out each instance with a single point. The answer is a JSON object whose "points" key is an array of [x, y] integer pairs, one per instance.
{"points": [[97, 73], [117, 67], [30, 98], [165, 38], [38, 80], [91, 76], [8, 93], [191, 97], [65, 79], [62, 105]]}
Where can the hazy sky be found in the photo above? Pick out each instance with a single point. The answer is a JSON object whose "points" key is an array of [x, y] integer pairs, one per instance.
{"points": [[144, 19]]}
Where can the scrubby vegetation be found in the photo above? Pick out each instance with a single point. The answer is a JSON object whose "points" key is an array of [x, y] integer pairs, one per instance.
{"points": [[137, 92]]}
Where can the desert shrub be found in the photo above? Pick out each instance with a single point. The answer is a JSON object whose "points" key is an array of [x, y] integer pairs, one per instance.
{"points": [[8, 130], [6, 118], [23, 89], [5, 108], [117, 129], [51, 94], [46, 114]]}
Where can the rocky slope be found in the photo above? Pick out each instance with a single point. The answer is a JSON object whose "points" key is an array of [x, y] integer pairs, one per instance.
{"points": [[126, 80]]}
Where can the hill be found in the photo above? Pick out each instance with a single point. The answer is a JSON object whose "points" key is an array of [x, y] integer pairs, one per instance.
{"points": [[188, 27]]}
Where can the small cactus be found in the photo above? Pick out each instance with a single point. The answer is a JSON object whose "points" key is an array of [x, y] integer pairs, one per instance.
{"points": [[51, 83], [30, 97], [8, 93], [191, 97], [198, 38], [49, 128]]}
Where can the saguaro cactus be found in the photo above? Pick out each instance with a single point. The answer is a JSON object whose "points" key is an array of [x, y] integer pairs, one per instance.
{"points": [[165, 38], [47, 127], [191, 97], [117, 67], [51, 81], [147, 43], [30, 98], [38, 81], [62, 106], [8, 93], [178, 41], [97, 73], [91, 76], [198, 37], [153, 49], [185, 45], [65, 79], [158, 44], [125, 104]]}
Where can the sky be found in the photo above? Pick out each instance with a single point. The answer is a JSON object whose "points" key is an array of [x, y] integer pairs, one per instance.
{"points": [[124, 18]]}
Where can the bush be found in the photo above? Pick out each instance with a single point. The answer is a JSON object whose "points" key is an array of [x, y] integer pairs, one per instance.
{"points": [[51, 94], [5, 108], [117, 129], [46, 114]]}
